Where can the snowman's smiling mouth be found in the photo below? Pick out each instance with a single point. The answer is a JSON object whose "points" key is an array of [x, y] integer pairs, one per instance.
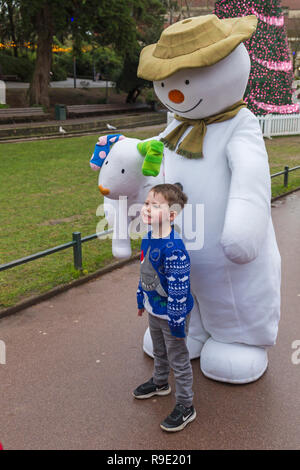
{"points": [[191, 109]]}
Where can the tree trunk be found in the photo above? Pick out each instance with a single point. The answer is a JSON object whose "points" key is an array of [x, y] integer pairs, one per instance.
{"points": [[39, 87], [10, 9], [132, 95]]}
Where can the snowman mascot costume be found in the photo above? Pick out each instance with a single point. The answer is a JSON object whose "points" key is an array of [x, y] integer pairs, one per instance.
{"points": [[215, 149]]}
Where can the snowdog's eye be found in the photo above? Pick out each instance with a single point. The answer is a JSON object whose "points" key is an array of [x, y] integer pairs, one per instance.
{"points": [[162, 84], [106, 162], [123, 171], [187, 82]]}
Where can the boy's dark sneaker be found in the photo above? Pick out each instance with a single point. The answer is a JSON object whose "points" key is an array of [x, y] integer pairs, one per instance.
{"points": [[148, 389], [179, 418]]}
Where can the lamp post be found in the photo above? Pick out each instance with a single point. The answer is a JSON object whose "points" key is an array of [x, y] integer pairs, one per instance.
{"points": [[74, 70]]}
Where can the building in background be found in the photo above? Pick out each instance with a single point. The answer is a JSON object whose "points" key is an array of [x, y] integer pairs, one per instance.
{"points": [[291, 10]]}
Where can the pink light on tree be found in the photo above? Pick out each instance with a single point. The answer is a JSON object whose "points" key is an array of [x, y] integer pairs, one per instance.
{"points": [[269, 88]]}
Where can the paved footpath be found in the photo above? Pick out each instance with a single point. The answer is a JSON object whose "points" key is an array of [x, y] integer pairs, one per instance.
{"points": [[72, 362]]}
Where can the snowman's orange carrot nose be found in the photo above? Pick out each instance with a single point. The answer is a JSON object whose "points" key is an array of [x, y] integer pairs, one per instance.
{"points": [[103, 191], [176, 96]]}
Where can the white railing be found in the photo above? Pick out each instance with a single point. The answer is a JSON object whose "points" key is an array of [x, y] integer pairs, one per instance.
{"points": [[272, 125]]}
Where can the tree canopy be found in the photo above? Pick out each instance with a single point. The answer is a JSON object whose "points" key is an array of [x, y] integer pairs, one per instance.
{"points": [[122, 25]]}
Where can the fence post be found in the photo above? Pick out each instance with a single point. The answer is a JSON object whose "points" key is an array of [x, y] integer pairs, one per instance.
{"points": [[286, 176], [267, 127], [77, 250]]}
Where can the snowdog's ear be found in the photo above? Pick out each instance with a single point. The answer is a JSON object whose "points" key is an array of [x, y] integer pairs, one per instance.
{"points": [[102, 149], [153, 151]]}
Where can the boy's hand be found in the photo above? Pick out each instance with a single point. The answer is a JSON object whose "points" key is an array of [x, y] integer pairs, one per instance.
{"points": [[140, 312]]}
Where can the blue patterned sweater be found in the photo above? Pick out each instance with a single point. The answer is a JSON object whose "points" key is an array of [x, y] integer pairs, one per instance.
{"points": [[164, 286]]}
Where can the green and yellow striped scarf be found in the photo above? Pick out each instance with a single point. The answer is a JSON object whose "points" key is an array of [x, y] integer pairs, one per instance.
{"points": [[191, 146]]}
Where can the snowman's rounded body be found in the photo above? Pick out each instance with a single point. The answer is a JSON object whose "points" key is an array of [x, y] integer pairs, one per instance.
{"points": [[235, 275], [238, 302]]}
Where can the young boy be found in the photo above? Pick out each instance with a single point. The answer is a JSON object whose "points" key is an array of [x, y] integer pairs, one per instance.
{"points": [[164, 291]]}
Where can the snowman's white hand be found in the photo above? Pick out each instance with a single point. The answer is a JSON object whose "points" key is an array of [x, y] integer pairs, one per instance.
{"points": [[244, 230]]}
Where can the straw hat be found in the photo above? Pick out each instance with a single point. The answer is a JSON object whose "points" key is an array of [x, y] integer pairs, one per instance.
{"points": [[199, 41]]}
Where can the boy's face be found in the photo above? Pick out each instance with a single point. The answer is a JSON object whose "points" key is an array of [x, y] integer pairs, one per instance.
{"points": [[156, 210]]}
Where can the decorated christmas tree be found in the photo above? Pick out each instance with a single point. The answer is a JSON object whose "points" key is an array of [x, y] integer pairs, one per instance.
{"points": [[269, 89]]}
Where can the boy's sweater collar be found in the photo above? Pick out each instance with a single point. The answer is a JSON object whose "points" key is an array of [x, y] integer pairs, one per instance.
{"points": [[170, 235]]}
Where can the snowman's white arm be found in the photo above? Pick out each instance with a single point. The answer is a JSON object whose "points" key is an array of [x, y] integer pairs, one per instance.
{"points": [[248, 209]]}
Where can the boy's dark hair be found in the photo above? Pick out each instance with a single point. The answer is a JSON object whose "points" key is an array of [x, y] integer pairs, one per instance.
{"points": [[172, 193]]}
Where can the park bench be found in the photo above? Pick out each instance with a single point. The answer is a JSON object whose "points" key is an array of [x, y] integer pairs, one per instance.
{"points": [[98, 109], [9, 78], [8, 115]]}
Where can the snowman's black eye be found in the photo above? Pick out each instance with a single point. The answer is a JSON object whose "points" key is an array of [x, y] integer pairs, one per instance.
{"points": [[187, 82], [106, 163], [162, 84], [123, 171]]}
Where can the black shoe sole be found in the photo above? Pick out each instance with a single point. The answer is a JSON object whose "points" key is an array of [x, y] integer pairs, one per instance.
{"points": [[151, 394], [181, 426]]}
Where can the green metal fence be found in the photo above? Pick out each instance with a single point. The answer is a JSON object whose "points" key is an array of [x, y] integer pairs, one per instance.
{"points": [[285, 172], [77, 241]]}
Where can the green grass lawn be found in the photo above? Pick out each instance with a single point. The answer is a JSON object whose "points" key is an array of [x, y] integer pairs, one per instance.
{"points": [[47, 191]]}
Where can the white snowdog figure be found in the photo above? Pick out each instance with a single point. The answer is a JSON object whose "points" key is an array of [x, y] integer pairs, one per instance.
{"points": [[121, 174]]}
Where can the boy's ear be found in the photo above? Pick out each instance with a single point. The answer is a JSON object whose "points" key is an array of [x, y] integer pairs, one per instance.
{"points": [[173, 215]]}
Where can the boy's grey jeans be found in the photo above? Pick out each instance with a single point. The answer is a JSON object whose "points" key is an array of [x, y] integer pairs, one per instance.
{"points": [[171, 352]]}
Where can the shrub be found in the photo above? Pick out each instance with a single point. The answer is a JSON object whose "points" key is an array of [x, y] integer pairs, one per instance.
{"points": [[59, 70], [150, 96], [106, 62]]}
